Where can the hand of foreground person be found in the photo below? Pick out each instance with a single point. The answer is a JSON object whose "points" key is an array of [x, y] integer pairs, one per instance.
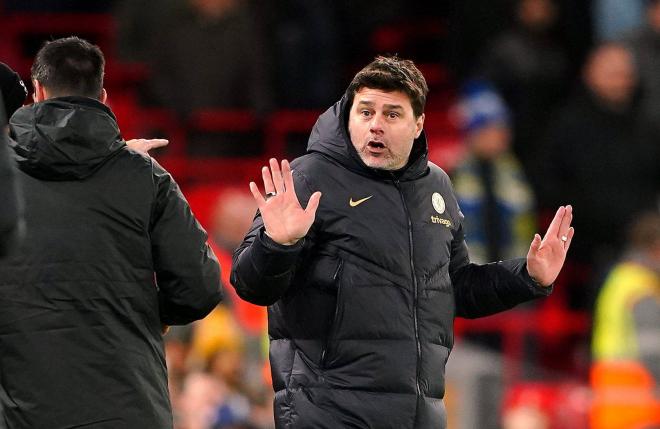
{"points": [[546, 257], [143, 146], [285, 220]]}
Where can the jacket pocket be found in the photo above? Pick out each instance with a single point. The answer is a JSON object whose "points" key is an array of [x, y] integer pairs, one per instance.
{"points": [[332, 328]]}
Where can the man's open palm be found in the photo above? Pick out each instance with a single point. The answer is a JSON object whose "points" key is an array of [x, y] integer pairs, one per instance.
{"points": [[546, 257], [285, 220]]}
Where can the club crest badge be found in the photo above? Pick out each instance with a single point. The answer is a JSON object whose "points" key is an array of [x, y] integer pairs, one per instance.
{"points": [[438, 202]]}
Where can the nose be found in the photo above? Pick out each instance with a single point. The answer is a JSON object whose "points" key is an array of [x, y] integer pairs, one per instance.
{"points": [[376, 124]]}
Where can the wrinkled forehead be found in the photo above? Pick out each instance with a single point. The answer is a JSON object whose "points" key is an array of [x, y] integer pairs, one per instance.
{"points": [[380, 99]]}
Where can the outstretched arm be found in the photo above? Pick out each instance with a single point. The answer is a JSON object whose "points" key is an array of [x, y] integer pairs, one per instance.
{"points": [[482, 290], [187, 271]]}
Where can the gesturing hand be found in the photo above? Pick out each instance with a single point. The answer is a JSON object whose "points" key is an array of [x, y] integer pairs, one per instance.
{"points": [[285, 220], [546, 257], [143, 146]]}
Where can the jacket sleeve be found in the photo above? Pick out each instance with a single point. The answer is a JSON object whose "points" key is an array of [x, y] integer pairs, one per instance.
{"points": [[11, 224], [262, 269], [482, 290], [187, 271]]}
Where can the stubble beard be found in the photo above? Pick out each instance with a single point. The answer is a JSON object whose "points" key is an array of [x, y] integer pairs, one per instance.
{"points": [[386, 161]]}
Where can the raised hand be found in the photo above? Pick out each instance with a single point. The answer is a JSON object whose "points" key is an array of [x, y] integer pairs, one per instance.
{"points": [[546, 257], [285, 220]]}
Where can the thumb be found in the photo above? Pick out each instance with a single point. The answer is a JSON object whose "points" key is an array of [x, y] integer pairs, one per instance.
{"points": [[313, 203], [536, 244]]}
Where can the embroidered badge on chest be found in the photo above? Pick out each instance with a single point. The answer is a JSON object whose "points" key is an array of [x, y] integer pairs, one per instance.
{"points": [[439, 206], [438, 202]]}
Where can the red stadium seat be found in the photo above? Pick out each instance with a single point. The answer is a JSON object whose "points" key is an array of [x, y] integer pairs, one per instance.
{"points": [[224, 132], [22, 34], [564, 404], [282, 124]]}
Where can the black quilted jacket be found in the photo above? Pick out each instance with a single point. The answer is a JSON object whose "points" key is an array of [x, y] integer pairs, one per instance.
{"points": [[361, 311]]}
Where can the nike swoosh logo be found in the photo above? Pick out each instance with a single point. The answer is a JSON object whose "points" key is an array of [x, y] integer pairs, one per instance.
{"points": [[358, 202]]}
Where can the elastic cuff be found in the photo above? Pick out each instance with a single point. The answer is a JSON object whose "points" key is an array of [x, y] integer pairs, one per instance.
{"points": [[537, 288], [274, 245], [274, 258]]}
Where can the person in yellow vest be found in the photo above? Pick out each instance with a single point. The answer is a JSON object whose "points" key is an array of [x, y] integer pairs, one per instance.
{"points": [[625, 374]]}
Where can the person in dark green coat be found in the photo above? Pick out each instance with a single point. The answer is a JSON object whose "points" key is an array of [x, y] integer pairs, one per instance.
{"points": [[112, 253]]}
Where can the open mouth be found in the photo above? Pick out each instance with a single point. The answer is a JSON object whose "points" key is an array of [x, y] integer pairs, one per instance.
{"points": [[375, 145]]}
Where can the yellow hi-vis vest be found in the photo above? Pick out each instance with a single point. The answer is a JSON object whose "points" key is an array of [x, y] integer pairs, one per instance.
{"points": [[614, 335], [623, 389]]}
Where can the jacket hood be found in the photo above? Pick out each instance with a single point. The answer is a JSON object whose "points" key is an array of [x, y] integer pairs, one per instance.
{"points": [[330, 138], [64, 138]]}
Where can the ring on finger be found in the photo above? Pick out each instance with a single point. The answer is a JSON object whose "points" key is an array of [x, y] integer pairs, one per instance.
{"points": [[564, 238], [270, 195]]}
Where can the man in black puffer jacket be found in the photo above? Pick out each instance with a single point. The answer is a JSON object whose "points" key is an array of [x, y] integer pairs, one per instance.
{"points": [[363, 285], [12, 96], [112, 253], [10, 211]]}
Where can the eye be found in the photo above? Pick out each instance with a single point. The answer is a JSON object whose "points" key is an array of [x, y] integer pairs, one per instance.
{"points": [[365, 113], [393, 115]]}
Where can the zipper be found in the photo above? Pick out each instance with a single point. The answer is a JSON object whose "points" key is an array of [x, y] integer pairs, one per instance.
{"points": [[335, 278], [414, 279]]}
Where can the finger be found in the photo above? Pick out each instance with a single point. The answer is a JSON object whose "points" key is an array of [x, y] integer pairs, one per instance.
{"points": [[536, 244], [256, 193], [313, 203], [569, 235], [156, 143], [566, 221], [287, 175], [553, 229], [268, 180], [277, 176]]}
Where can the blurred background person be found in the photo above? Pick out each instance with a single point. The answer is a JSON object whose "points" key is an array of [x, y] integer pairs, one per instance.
{"points": [[200, 53], [305, 42], [489, 182], [498, 206], [529, 67], [204, 57], [644, 43], [602, 154], [625, 347], [221, 356]]}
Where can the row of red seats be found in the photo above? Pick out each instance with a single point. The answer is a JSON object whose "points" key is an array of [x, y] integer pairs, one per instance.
{"points": [[21, 34], [272, 135]]}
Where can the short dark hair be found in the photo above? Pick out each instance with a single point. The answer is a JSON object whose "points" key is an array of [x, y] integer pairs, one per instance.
{"points": [[70, 66], [392, 74]]}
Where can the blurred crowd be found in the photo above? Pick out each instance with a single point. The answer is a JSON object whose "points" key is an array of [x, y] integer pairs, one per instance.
{"points": [[552, 102]]}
